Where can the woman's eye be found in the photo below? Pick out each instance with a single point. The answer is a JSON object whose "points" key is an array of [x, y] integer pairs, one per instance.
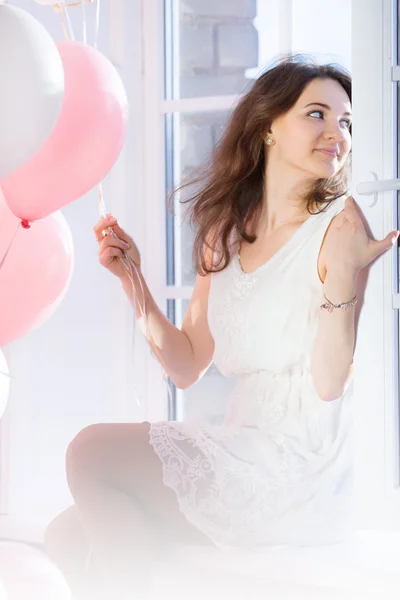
{"points": [[315, 111], [320, 112]]}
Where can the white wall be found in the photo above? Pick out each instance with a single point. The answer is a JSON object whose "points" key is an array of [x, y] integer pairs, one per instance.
{"points": [[77, 368]]}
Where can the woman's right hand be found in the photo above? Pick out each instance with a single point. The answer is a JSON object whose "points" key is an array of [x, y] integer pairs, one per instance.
{"points": [[111, 248]]}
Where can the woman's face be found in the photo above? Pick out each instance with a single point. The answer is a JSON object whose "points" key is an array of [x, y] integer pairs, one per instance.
{"points": [[307, 128]]}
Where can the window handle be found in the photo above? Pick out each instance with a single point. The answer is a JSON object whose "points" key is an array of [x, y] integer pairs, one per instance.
{"points": [[369, 188]]}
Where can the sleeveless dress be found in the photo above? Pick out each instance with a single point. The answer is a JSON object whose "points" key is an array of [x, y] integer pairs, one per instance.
{"points": [[279, 469]]}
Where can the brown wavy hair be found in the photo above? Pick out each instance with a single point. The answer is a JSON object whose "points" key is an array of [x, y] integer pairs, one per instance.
{"points": [[230, 185]]}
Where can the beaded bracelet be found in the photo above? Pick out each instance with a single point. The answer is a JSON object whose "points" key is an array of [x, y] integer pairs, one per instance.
{"points": [[329, 306]]}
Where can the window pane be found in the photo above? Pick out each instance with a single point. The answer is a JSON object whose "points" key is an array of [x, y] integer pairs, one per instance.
{"points": [[323, 32], [191, 138], [207, 398], [220, 46]]}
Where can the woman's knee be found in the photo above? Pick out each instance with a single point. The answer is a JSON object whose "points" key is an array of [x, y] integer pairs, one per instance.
{"points": [[111, 453], [83, 458], [64, 532], [66, 544]]}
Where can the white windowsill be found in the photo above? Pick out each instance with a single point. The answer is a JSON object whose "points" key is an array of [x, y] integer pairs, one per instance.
{"points": [[370, 567]]}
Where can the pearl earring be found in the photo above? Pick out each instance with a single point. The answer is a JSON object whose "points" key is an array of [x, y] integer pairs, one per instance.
{"points": [[270, 141]]}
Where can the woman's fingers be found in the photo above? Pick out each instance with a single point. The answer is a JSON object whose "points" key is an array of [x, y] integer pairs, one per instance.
{"points": [[100, 229], [101, 225], [114, 243], [121, 233], [110, 241], [109, 254]]}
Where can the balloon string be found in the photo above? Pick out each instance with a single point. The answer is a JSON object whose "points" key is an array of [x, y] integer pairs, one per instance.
{"points": [[71, 31], [127, 262], [96, 40], [74, 3], [130, 266], [58, 9], [84, 25], [8, 376], [3, 260], [67, 35]]}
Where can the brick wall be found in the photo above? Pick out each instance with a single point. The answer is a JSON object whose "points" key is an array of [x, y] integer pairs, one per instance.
{"points": [[218, 43]]}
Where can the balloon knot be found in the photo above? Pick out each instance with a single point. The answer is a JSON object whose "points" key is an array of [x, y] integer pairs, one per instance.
{"points": [[25, 224]]}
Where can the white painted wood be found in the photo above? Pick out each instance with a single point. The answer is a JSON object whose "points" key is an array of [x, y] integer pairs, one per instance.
{"points": [[203, 104], [379, 185], [285, 8], [81, 366], [127, 199], [396, 73], [375, 371], [396, 301], [153, 147], [4, 462]]}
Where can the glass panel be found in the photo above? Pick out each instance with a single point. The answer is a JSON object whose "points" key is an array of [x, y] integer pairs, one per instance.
{"points": [[172, 397], [216, 43], [217, 48], [324, 32], [220, 46], [191, 138], [207, 398]]}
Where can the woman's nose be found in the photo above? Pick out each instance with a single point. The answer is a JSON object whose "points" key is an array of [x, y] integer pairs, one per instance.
{"points": [[335, 131]]}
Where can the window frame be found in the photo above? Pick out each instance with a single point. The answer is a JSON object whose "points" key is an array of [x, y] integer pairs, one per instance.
{"points": [[376, 368], [373, 37], [156, 107]]}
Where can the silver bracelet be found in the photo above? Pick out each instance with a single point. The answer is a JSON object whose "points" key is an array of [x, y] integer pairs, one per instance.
{"points": [[329, 306]]}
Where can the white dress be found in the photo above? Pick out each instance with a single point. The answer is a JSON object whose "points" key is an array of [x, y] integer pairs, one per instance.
{"points": [[279, 469]]}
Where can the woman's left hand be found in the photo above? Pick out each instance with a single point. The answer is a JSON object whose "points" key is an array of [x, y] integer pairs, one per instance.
{"points": [[347, 247]]}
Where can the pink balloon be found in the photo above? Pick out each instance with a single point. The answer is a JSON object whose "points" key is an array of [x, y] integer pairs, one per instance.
{"points": [[36, 272], [85, 142], [26, 572]]}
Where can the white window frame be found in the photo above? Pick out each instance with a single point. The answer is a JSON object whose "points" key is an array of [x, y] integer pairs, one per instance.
{"points": [[4, 463], [376, 365], [377, 431], [124, 18], [155, 108]]}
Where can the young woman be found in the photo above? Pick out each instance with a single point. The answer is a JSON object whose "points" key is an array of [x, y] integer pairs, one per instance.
{"points": [[279, 246]]}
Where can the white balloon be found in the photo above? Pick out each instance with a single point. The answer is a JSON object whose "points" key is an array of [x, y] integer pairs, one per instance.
{"points": [[4, 385], [26, 573], [32, 87]]}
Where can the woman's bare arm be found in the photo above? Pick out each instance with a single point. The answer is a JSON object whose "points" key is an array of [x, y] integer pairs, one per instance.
{"points": [[185, 354]]}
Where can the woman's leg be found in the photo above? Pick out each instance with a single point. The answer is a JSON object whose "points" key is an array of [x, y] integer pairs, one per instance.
{"points": [[67, 546], [116, 480]]}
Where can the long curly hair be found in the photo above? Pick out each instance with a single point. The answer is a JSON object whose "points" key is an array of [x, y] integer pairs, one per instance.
{"points": [[229, 187]]}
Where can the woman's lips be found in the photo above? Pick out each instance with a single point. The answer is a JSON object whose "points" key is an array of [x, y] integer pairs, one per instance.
{"points": [[327, 152]]}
